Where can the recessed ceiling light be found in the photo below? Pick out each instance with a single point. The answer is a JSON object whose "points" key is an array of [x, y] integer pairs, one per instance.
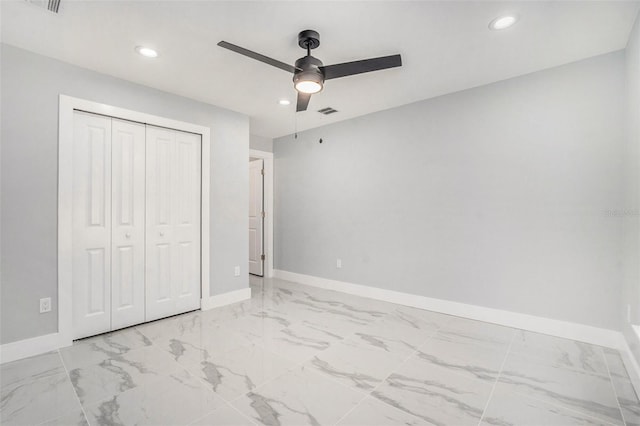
{"points": [[284, 102], [146, 51], [503, 22]]}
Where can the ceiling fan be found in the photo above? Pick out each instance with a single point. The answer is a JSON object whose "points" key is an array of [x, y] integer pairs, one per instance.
{"points": [[309, 73]]}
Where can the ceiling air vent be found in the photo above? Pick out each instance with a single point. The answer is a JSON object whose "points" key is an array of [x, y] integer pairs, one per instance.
{"points": [[327, 111], [51, 5]]}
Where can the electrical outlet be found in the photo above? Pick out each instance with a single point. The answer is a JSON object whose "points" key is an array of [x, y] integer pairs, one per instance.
{"points": [[45, 305], [629, 313], [236, 272], [338, 263]]}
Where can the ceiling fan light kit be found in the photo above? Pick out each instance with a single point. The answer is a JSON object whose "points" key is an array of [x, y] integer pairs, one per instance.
{"points": [[309, 74], [308, 78]]}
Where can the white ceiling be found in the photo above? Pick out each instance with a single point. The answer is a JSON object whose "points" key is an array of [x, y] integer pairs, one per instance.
{"points": [[445, 45]]}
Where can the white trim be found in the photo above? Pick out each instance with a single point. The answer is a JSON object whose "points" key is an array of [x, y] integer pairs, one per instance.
{"points": [[65, 193], [628, 357], [268, 207], [226, 299], [568, 330], [30, 347]]}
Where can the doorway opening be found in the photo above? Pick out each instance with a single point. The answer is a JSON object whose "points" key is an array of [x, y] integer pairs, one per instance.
{"points": [[260, 213]]}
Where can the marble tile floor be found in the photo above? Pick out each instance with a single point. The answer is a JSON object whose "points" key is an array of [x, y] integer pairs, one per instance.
{"points": [[297, 355]]}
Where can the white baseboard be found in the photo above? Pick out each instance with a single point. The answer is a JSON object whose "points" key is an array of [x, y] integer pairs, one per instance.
{"points": [[225, 299], [627, 341], [30, 347], [568, 330], [51, 342]]}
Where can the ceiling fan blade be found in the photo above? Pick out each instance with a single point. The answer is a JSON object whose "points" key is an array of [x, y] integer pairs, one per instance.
{"points": [[358, 67], [258, 57], [303, 101]]}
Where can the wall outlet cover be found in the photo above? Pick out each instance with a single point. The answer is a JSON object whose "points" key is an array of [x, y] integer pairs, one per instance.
{"points": [[45, 305], [338, 263], [236, 271]]}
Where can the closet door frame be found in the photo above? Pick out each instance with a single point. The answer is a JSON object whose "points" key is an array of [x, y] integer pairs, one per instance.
{"points": [[67, 106]]}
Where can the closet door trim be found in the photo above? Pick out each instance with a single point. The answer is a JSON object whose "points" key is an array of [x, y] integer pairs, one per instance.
{"points": [[67, 106]]}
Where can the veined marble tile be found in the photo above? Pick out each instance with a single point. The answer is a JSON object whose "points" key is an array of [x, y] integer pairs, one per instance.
{"points": [[94, 350], [120, 373], [29, 369], [575, 389], [224, 416], [275, 296], [179, 325], [372, 412], [401, 332], [237, 372], [299, 397], [477, 332], [298, 343], [615, 363], [464, 357], [437, 319], [355, 365], [260, 322], [559, 352], [629, 402], [435, 394], [342, 324], [352, 308], [199, 346], [230, 312], [508, 408], [176, 399], [75, 418], [29, 403]]}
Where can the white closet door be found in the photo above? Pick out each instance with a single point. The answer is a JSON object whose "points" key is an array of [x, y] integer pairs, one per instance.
{"points": [[187, 200], [127, 232], [173, 222], [91, 225], [256, 220]]}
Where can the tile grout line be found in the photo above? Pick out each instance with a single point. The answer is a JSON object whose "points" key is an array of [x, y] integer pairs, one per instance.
{"points": [[204, 383], [615, 393], [495, 384], [300, 364], [84, 413], [431, 336], [228, 405], [370, 393], [558, 405]]}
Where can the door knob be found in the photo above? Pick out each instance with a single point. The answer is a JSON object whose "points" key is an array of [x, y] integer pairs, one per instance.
{"points": [[128, 235], [161, 234]]}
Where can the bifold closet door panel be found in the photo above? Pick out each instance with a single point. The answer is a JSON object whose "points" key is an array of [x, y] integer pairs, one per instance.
{"points": [[128, 227], [173, 222], [187, 224], [91, 240]]}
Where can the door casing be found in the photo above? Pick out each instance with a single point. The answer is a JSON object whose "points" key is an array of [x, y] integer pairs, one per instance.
{"points": [[267, 243], [67, 105], [256, 217]]}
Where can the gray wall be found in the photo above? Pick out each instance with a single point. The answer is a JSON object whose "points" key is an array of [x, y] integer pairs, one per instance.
{"points": [[496, 196], [260, 143], [30, 87], [631, 216]]}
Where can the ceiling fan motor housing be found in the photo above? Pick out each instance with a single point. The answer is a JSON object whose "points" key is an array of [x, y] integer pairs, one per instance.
{"points": [[308, 39], [308, 69]]}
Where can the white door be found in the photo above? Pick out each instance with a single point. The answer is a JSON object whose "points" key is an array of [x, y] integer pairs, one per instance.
{"points": [[127, 219], [172, 222], [256, 217], [91, 240]]}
